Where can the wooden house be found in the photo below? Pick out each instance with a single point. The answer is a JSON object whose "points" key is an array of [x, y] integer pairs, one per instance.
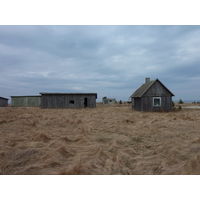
{"points": [[26, 101], [152, 96], [68, 100], [3, 102]]}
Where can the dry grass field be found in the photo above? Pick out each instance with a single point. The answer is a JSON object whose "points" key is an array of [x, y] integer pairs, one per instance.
{"points": [[105, 140]]}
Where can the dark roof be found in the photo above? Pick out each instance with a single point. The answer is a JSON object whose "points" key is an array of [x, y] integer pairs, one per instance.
{"points": [[143, 88], [4, 98], [43, 93]]}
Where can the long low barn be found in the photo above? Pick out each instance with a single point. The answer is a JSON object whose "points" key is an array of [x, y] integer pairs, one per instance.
{"points": [[26, 101], [3, 102], [68, 100]]}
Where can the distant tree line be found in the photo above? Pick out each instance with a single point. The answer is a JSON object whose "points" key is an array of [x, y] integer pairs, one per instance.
{"points": [[196, 102], [181, 102]]}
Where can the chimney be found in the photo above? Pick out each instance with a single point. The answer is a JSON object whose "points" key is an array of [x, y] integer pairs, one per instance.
{"points": [[147, 80]]}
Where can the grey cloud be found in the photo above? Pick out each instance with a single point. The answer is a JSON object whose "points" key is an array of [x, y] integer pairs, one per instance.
{"points": [[97, 58]]}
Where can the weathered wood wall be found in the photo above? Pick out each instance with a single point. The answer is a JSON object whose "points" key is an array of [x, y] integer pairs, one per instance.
{"points": [[157, 90], [137, 104], [147, 104], [26, 101], [68, 100], [3, 102]]}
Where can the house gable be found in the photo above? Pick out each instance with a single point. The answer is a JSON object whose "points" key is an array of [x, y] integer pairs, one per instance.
{"points": [[154, 87], [157, 89]]}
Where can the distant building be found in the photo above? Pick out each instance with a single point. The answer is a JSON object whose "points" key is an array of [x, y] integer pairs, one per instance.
{"points": [[68, 100], [109, 101], [26, 101], [3, 102], [129, 101], [152, 96]]}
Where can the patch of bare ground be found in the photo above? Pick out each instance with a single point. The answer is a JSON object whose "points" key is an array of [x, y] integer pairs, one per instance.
{"points": [[105, 140]]}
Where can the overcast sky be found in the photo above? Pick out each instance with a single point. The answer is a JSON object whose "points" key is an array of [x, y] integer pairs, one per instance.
{"points": [[111, 61]]}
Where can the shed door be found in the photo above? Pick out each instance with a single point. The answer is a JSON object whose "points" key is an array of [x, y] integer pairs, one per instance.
{"points": [[85, 102]]}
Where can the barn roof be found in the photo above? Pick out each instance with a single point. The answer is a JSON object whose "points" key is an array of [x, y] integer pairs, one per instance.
{"points": [[4, 98], [143, 89], [43, 93]]}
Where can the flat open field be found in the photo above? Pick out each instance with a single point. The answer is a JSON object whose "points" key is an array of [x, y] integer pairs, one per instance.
{"points": [[105, 140]]}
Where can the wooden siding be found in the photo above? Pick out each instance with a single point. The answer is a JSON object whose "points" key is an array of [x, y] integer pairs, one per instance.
{"points": [[3, 102], [137, 104], [26, 101], [147, 104], [157, 90], [68, 100]]}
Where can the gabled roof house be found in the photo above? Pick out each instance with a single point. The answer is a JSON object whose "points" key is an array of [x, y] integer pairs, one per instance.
{"points": [[152, 96]]}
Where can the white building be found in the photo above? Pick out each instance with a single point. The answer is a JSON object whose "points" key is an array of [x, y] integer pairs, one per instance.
{"points": [[109, 101]]}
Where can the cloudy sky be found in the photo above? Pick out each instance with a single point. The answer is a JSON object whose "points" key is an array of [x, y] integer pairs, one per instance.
{"points": [[112, 61]]}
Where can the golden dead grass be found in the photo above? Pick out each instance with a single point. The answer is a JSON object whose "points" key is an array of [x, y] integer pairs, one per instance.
{"points": [[105, 140]]}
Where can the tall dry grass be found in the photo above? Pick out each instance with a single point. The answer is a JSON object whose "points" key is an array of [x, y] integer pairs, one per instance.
{"points": [[105, 140]]}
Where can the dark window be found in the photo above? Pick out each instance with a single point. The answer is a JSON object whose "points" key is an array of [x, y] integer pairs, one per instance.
{"points": [[156, 101], [71, 102]]}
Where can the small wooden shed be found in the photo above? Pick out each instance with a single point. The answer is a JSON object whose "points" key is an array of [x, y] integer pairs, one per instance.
{"points": [[26, 101], [3, 102], [68, 100], [152, 96]]}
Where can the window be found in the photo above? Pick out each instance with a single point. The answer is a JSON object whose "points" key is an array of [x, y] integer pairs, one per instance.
{"points": [[71, 102], [156, 101], [110, 100]]}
